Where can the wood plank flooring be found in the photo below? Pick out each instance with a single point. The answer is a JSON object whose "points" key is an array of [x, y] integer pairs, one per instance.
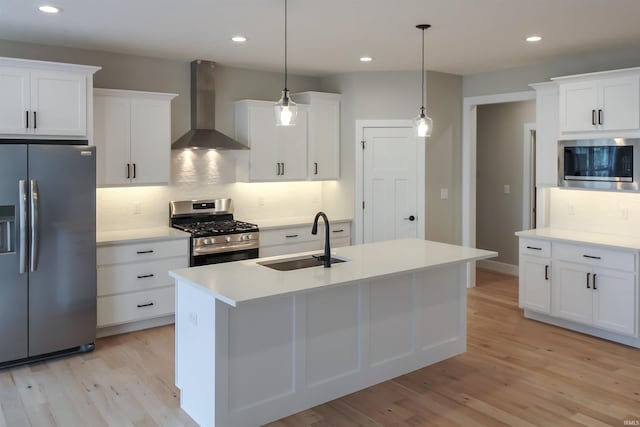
{"points": [[516, 372]]}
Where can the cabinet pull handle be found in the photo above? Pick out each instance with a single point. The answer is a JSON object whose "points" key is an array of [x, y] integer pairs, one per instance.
{"points": [[316, 168], [593, 117], [338, 231], [145, 252], [289, 236], [149, 304], [27, 118], [134, 171], [599, 117], [277, 168], [588, 274], [546, 272], [534, 248], [591, 256], [595, 288], [283, 168], [145, 276], [128, 171], [35, 120]]}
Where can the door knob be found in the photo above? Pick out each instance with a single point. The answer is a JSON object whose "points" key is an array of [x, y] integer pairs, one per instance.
{"points": [[410, 218]]}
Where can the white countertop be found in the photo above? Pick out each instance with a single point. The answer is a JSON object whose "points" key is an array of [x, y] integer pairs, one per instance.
{"points": [[139, 235], [559, 234], [242, 281], [274, 223]]}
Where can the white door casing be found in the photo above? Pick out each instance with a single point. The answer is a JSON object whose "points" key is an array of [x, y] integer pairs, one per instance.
{"points": [[390, 181]]}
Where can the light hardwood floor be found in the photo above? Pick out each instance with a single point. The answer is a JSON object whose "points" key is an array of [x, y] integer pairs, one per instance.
{"points": [[516, 372]]}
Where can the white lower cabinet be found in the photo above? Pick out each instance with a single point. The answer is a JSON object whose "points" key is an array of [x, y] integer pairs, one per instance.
{"points": [[596, 296], [133, 281], [290, 240], [589, 285]]}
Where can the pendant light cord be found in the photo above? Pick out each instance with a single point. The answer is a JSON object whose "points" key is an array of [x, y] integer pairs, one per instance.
{"points": [[422, 75], [285, 46]]}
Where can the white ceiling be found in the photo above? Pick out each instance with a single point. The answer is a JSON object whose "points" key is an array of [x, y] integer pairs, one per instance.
{"points": [[328, 36]]}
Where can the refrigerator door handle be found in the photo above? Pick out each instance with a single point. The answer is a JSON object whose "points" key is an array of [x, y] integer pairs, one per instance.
{"points": [[35, 219], [22, 207]]}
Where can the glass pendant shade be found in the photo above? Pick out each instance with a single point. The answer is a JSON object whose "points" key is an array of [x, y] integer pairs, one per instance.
{"points": [[286, 110], [423, 125]]}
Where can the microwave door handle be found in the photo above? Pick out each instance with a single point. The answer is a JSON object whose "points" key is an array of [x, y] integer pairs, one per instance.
{"points": [[35, 219], [22, 208]]}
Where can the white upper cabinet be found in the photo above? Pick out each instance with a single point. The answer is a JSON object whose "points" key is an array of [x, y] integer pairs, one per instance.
{"points": [[132, 137], [600, 103], [324, 134], [277, 153], [546, 134], [45, 99]]}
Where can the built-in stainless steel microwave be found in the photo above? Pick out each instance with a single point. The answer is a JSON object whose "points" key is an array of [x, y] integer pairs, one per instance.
{"points": [[599, 164]]}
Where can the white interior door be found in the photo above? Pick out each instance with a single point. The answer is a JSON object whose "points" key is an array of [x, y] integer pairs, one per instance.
{"points": [[391, 158]]}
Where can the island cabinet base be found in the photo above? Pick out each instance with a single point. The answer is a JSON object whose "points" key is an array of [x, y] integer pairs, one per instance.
{"points": [[269, 358]]}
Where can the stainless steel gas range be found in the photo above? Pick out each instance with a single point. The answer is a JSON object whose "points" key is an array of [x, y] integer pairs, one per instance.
{"points": [[215, 236]]}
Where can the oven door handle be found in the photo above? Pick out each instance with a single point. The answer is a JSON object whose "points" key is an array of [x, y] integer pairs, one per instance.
{"points": [[215, 249]]}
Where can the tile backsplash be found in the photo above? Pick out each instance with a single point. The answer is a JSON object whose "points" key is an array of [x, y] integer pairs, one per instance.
{"points": [[201, 175]]}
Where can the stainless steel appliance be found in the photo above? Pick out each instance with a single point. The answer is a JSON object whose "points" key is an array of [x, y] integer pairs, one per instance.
{"points": [[599, 164], [48, 249], [215, 236]]}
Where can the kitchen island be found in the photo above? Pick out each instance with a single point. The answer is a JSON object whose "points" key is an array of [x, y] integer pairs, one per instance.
{"points": [[254, 344]]}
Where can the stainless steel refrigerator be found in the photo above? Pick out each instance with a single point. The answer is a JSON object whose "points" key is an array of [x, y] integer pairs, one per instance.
{"points": [[47, 249]]}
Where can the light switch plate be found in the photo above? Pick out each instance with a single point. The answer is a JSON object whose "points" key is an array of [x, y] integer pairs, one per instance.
{"points": [[444, 193], [506, 189]]}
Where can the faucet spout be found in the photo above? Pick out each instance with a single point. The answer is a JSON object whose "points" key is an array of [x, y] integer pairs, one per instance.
{"points": [[327, 245]]}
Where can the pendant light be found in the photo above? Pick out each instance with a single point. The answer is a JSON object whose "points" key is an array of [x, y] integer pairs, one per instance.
{"points": [[286, 110], [423, 124]]}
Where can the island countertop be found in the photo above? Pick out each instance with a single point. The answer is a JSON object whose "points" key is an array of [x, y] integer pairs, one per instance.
{"points": [[243, 281]]}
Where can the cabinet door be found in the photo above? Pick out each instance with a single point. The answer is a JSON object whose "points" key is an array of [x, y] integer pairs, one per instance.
{"points": [[620, 103], [547, 101], [577, 103], [58, 103], [150, 141], [614, 303], [324, 141], [14, 101], [111, 136], [572, 292], [535, 284], [292, 149], [263, 137]]}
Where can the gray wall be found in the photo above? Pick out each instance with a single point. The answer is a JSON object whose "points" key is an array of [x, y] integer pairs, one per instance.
{"points": [[500, 139], [518, 79], [396, 95], [160, 75]]}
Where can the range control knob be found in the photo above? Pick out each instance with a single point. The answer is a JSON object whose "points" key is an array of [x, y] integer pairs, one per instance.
{"points": [[205, 241], [228, 238]]}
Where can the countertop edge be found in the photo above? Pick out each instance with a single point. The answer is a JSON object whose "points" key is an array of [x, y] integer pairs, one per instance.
{"points": [[109, 238], [588, 238]]}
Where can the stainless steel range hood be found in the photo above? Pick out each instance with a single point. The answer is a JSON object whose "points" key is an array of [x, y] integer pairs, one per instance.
{"points": [[203, 134]]}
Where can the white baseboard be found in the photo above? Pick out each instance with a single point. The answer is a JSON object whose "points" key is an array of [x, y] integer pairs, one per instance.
{"points": [[135, 326], [500, 267]]}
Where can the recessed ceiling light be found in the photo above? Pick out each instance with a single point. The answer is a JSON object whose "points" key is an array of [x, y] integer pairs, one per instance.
{"points": [[533, 39], [239, 39], [47, 8], [366, 59]]}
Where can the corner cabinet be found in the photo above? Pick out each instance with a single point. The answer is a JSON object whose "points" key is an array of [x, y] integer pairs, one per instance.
{"points": [[277, 153], [41, 99], [585, 287], [600, 104], [132, 137], [324, 134]]}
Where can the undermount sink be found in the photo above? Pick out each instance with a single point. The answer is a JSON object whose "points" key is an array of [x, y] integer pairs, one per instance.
{"points": [[299, 262]]}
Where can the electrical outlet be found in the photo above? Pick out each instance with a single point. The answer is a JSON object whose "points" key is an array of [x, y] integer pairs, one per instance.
{"points": [[571, 209], [260, 201], [137, 208], [624, 213]]}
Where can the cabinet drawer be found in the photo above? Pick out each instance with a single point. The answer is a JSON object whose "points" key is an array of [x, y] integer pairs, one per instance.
{"points": [[142, 251], [119, 278], [340, 230], [116, 309], [595, 256], [283, 236], [534, 247]]}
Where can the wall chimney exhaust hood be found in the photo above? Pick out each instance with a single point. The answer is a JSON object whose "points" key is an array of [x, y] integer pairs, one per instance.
{"points": [[203, 134]]}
